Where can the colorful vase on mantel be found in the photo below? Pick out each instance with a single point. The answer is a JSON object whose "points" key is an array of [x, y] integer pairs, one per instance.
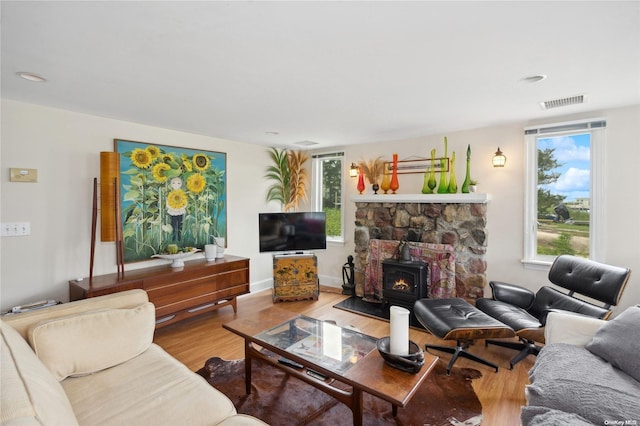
{"points": [[467, 178], [360, 186], [394, 175], [453, 184], [430, 176], [386, 179], [443, 187]]}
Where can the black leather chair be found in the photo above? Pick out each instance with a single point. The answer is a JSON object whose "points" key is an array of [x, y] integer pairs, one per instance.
{"points": [[526, 311]]}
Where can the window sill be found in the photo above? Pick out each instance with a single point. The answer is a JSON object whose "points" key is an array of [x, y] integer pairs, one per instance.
{"points": [[536, 265]]}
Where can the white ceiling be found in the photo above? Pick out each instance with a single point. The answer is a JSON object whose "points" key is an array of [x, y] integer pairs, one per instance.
{"points": [[336, 73]]}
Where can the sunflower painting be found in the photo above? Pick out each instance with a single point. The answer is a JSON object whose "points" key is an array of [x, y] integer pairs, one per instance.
{"points": [[170, 195]]}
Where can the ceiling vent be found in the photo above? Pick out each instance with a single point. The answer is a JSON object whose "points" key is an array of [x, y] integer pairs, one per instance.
{"points": [[306, 143], [563, 102]]}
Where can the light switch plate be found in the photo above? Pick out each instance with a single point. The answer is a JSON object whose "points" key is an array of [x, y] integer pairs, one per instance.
{"points": [[23, 175], [15, 229]]}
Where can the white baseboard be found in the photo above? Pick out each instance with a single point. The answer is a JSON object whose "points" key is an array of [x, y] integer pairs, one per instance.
{"points": [[261, 285], [330, 281]]}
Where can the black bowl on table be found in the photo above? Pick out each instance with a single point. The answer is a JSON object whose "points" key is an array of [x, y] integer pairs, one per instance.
{"points": [[411, 363]]}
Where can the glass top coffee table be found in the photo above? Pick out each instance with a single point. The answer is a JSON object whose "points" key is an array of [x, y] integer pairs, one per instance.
{"points": [[321, 353]]}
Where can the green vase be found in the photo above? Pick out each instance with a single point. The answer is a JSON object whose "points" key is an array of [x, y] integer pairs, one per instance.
{"points": [[443, 188], [429, 182], [467, 178], [425, 183], [453, 184], [432, 172]]}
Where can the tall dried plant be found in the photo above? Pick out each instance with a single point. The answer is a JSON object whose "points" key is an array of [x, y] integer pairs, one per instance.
{"points": [[372, 169], [289, 178], [298, 179]]}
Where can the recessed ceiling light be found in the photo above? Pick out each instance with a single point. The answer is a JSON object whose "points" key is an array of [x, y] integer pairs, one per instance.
{"points": [[534, 78], [31, 77]]}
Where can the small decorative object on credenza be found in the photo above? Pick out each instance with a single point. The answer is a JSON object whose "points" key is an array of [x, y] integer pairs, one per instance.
{"points": [[411, 363], [210, 252], [176, 255]]}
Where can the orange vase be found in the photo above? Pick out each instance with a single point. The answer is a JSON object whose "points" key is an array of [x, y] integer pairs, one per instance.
{"points": [[360, 181], [394, 175]]}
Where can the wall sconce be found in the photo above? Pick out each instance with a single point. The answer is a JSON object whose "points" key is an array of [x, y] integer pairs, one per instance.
{"points": [[499, 159], [353, 170]]}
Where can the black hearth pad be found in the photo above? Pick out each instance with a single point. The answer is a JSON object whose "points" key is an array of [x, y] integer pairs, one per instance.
{"points": [[376, 310]]}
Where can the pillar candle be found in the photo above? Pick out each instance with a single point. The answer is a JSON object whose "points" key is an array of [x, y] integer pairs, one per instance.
{"points": [[399, 335]]}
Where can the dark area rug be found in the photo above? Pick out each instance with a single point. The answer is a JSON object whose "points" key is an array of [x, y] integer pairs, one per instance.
{"points": [[375, 310], [280, 399]]}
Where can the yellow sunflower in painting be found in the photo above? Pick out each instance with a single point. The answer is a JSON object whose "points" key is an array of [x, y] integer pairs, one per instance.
{"points": [[158, 172], [177, 199], [201, 162], [153, 151], [167, 158], [141, 158], [196, 183]]}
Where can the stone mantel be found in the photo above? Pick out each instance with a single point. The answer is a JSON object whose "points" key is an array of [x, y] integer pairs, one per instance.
{"points": [[471, 198]]}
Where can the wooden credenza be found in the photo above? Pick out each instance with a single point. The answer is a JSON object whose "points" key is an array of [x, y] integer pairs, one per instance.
{"points": [[177, 294]]}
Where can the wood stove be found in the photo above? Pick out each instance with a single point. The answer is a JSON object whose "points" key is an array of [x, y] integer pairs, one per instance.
{"points": [[404, 282]]}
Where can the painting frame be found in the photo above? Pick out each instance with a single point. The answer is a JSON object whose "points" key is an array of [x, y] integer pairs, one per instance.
{"points": [[422, 165], [170, 195]]}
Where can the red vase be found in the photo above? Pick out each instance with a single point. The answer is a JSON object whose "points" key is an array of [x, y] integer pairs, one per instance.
{"points": [[394, 175], [360, 181]]}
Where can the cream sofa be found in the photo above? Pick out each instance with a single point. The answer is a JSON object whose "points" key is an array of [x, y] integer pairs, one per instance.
{"points": [[92, 362]]}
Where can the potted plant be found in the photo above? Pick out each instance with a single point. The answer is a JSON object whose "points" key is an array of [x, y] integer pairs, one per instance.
{"points": [[473, 185]]}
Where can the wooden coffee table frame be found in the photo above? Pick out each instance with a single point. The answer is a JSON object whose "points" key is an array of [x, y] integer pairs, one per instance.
{"points": [[370, 374]]}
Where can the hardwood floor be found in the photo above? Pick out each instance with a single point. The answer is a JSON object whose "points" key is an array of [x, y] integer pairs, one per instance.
{"points": [[195, 340]]}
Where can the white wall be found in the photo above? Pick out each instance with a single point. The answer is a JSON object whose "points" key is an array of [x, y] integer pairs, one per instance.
{"points": [[506, 186], [64, 147]]}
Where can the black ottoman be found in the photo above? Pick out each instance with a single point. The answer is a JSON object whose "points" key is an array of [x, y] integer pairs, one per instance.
{"points": [[455, 319]]}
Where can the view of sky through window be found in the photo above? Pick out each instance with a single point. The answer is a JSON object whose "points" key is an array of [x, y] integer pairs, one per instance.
{"points": [[572, 154]]}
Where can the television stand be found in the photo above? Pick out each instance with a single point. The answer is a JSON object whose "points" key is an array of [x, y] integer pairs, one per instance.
{"points": [[295, 277]]}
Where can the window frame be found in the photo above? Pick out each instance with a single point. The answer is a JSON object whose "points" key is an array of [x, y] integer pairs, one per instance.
{"points": [[318, 186], [597, 129]]}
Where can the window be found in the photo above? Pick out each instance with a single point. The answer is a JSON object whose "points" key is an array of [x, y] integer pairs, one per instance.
{"points": [[564, 191], [327, 192]]}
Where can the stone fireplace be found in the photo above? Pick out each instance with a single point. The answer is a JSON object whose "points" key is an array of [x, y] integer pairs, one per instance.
{"points": [[456, 221]]}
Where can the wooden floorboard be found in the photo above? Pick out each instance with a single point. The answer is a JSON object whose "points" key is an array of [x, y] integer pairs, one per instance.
{"points": [[194, 340]]}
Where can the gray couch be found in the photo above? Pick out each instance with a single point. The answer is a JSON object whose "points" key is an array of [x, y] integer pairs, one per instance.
{"points": [[588, 373]]}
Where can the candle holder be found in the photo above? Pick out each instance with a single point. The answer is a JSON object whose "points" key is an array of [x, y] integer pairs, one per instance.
{"points": [[411, 363]]}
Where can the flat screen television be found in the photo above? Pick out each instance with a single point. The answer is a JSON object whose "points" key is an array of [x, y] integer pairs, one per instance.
{"points": [[297, 231]]}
